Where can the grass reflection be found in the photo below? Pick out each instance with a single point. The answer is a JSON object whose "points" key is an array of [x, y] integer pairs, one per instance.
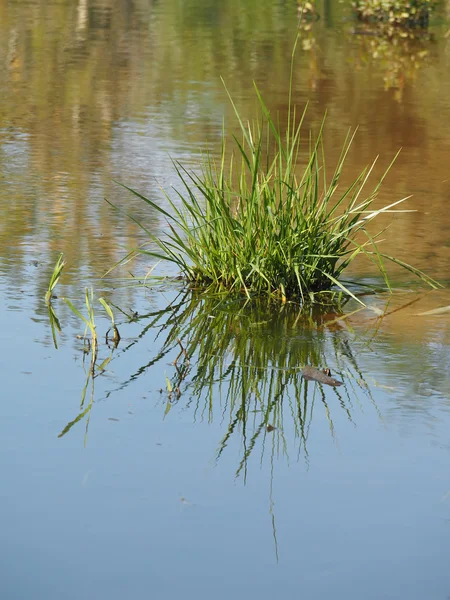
{"points": [[240, 361], [92, 372], [90, 345]]}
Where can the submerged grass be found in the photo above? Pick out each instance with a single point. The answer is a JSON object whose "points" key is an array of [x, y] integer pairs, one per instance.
{"points": [[251, 223]]}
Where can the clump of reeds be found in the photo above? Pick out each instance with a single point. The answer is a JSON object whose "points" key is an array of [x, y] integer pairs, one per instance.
{"points": [[252, 222]]}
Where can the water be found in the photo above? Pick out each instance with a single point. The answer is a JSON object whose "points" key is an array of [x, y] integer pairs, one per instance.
{"points": [[159, 493]]}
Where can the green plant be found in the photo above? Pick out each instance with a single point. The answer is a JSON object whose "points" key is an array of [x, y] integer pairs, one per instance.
{"points": [[54, 323], [403, 13], [115, 331], [252, 224], [54, 278]]}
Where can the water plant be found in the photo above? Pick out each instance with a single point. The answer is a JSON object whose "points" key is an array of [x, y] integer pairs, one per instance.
{"points": [[403, 13], [54, 323], [115, 332], [54, 278], [255, 221], [53, 282]]}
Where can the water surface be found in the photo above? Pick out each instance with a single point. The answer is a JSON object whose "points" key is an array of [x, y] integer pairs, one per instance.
{"points": [[189, 493]]}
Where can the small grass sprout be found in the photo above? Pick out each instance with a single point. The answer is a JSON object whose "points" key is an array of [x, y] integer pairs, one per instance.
{"points": [[115, 331], [54, 278]]}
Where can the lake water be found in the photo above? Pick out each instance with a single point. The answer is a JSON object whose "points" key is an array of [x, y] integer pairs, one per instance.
{"points": [[198, 463]]}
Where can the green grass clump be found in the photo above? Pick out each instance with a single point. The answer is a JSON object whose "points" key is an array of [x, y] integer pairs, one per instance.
{"points": [[252, 222]]}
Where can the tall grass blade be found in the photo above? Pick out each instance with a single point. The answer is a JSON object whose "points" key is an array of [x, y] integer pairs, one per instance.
{"points": [[55, 277]]}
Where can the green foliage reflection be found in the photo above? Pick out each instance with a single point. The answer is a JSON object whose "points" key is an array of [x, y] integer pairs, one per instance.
{"points": [[241, 362]]}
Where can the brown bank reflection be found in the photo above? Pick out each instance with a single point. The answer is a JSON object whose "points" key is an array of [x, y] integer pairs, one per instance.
{"points": [[98, 89]]}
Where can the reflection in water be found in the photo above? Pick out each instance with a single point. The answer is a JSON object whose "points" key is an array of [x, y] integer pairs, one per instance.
{"points": [[396, 14], [90, 347], [85, 408], [243, 360], [399, 53], [239, 363], [92, 370], [308, 16], [95, 90]]}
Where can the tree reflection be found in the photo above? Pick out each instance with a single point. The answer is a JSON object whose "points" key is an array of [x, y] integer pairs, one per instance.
{"points": [[399, 52]]}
